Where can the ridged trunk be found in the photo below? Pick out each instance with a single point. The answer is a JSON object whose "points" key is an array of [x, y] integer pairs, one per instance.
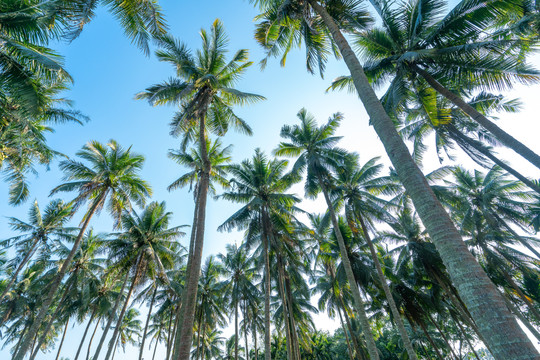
{"points": [[183, 342], [55, 284], [505, 337], [62, 341]]}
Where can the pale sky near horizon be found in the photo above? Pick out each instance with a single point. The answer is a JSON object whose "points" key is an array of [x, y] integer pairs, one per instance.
{"points": [[109, 70]]}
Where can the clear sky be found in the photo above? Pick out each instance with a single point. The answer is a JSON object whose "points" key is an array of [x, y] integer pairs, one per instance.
{"points": [[109, 70]]}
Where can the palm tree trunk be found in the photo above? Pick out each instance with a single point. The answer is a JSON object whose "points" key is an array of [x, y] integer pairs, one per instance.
{"points": [[465, 335], [124, 308], [19, 268], [91, 339], [172, 333], [20, 338], [351, 353], [254, 331], [43, 337], [358, 303], [499, 327], [354, 338], [111, 318], [294, 333], [155, 347], [236, 330], [443, 336], [55, 284], [62, 341], [85, 333], [267, 288], [435, 347], [175, 330], [245, 330], [203, 337], [505, 138], [147, 322], [395, 312], [114, 350], [481, 149], [285, 312], [199, 331], [192, 278]]}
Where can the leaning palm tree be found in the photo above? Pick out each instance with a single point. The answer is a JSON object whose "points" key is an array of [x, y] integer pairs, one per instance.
{"points": [[204, 91], [477, 291], [315, 148], [261, 185], [359, 187], [39, 229], [112, 174], [146, 250]]}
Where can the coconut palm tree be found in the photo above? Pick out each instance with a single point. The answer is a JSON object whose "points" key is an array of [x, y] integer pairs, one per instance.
{"points": [[448, 53], [315, 148], [146, 249], [129, 330], [333, 16], [261, 185], [204, 91], [111, 175], [38, 232]]}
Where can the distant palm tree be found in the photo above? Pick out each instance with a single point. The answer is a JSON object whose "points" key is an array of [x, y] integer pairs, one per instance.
{"points": [[39, 230], [204, 92], [317, 154], [111, 173], [129, 330]]}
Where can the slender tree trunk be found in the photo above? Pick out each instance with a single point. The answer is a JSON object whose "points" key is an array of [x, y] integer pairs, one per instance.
{"points": [[245, 330], [506, 339], [20, 338], [175, 329], [192, 279], [91, 339], [351, 353], [267, 289], [465, 335], [203, 337], [254, 331], [55, 284], [54, 316], [285, 312], [171, 332], [114, 350], [294, 333], [155, 347], [395, 312], [111, 318], [505, 138], [487, 153], [85, 333], [358, 303], [236, 330], [124, 308], [435, 347], [443, 336], [19, 268], [147, 322], [199, 331], [62, 341]]}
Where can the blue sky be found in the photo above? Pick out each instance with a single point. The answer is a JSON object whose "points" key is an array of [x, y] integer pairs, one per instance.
{"points": [[109, 70]]}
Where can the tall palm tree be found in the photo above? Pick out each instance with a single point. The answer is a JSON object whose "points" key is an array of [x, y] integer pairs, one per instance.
{"points": [[477, 291], [448, 54], [146, 249], [359, 187], [204, 91], [261, 185], [317, 154], [111, 174], [39, 229], [129, 330]]}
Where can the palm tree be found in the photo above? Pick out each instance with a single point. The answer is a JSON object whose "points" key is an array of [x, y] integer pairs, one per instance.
{"points": [[39, 229], [146, 249], [239, 272], [359, 187], [111, 173], [260, 184], [477, 291], [129, 330], [448, 53], [317, 154], [204, 92]]}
